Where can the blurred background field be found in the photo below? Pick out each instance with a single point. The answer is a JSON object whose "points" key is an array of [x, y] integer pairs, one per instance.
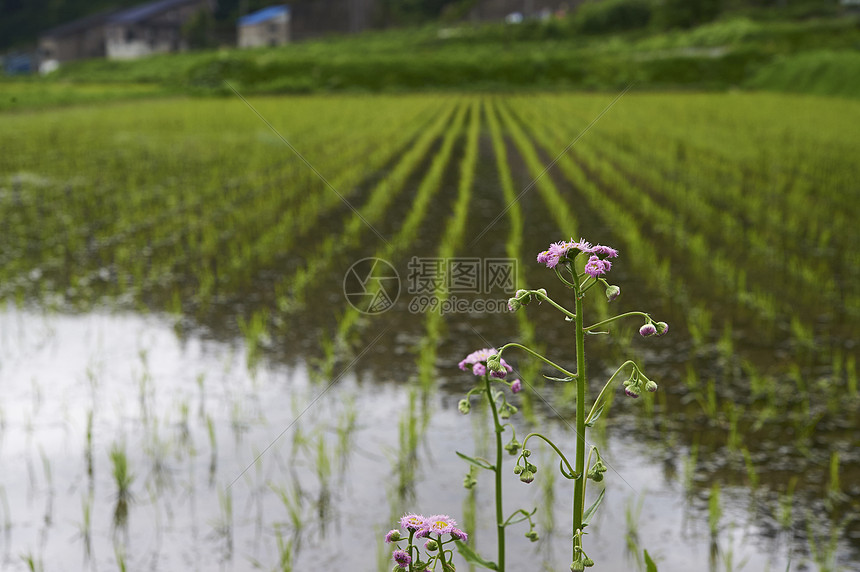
{"points": [[183, 384]]}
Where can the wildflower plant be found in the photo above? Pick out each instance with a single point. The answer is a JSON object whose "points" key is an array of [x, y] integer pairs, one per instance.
{"points": [[581, 267], [434, 529], [478, 363]]}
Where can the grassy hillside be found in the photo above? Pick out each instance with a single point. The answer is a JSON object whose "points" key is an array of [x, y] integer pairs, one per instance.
{"points": [[815, 56]]}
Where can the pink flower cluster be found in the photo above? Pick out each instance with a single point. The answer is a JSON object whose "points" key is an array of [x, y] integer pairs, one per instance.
{"points": [[477, 362], [568, 250], [425, 526]]}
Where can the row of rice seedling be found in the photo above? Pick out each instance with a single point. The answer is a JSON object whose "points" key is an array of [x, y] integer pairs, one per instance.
{"points": [[750, 195], [293, 288], [451, 239], [161, 220], [785, 399], [399, 244]]}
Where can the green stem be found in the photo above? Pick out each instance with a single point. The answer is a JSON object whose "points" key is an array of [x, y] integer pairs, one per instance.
{"points": [[581, 380], [612, 319], [537, 355], [555, 448], [561, 308], [605, 387], [500, 516]]}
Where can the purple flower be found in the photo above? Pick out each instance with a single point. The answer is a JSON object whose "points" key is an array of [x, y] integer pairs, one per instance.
{"points": [[567, 250], [595, 266], [630, 392], [647, 330], [662, 328], [392, 536], [516, 386], [477, 362], [440, 524], [412, 522], [402, 557], [604, 250], [459, 534]]}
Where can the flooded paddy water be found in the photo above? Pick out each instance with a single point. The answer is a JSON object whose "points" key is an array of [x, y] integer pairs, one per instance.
{"points": [[185, 385]]}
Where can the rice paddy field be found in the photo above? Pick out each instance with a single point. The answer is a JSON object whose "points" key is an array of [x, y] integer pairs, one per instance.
{"points": [[188, 383]]}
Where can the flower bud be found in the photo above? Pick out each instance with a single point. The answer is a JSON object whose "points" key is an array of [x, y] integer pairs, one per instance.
{"points": [[431, 545], [517, 470], [393, 536], [588, 562], [532, 535], [651, 386], [464, 406], [527, 476], [577, 566], [494, 363], [647, 330], [513, 447], [514, 304], [631, 392], [541, 291], [469, 482], [527, 452], [507, 410], [662, 328], [612, 292], [516, 386]]}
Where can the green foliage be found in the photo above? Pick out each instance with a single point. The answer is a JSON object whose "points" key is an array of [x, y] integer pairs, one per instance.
{"points": [[686, 13], [613, 16], [820, 72]]}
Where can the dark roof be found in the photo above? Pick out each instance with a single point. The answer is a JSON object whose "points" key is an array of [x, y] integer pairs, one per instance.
{"points": [[263, 15], [80, 24], [145, 11]]}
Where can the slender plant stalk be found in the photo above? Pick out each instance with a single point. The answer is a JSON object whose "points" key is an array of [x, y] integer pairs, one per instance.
{"points": [[581, 380], [497, 469]]}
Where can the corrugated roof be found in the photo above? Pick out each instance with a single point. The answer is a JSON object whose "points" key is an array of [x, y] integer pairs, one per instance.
{"points": [[144, 11], [263, 15], [79, 25]]}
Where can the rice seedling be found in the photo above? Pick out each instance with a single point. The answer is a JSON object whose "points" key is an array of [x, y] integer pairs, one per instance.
{"points": [[285, 551], [85, 527], [222, 527], [119, 554], [213, 449], [715, 511], [632, 514], [823, 550], [33, 563], [123, 479], [88, 448], [752, 474], [346, 430], [785, 511], [293, 501]]}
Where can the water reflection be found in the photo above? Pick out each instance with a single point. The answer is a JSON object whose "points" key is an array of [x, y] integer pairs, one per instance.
{"points": [[145, 481]]}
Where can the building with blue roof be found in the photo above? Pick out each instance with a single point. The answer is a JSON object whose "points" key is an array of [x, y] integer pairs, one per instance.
{"points": [[267, 27]]}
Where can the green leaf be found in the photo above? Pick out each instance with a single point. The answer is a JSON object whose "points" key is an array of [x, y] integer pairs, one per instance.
{"points": [[589, 512], [596, 416], [472, 557], [480, 463], [561, 379], [649, 564]]}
